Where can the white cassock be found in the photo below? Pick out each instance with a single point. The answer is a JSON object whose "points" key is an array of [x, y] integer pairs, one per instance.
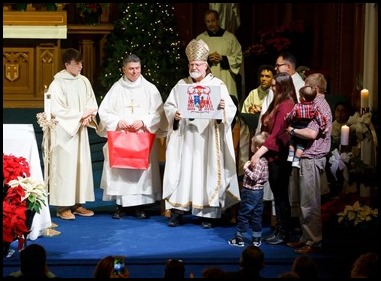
{"points": [[70, 168], [200, 171], [131, 101], [226, 45]]}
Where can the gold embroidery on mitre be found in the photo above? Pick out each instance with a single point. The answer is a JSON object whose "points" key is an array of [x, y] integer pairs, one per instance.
{"points": [[197, 50]]}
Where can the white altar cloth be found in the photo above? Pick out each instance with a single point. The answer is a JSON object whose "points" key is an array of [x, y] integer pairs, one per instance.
{"points": [[20, 140]]}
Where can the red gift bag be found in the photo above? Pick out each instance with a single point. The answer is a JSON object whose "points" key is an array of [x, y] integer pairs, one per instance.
{"points": [[129, 150]]}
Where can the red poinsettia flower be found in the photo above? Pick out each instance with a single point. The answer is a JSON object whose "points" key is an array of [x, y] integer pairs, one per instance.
{"points": [[14, 215], [15, 202], [14, 167]]}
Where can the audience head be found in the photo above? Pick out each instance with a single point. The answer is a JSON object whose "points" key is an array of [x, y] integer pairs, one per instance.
{"points": [[105, 269], [286, 62], [307, 93], [213, 272], [252, 258], [33, 261], [174, 269], [305, 267], [342, 112], [365, 266]]}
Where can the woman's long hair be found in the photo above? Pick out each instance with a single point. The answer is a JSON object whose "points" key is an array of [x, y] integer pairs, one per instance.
{"points": [[284, 89]]}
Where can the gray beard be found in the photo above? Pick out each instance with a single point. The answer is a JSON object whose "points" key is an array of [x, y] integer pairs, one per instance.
{"points": [[195, 74]]}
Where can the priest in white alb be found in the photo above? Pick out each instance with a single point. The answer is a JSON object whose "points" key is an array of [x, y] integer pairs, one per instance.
{"points": [[132, 104]]}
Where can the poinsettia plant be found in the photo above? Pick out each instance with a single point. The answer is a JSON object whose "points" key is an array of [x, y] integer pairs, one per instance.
{"points": [[275, 39], [357, 214], [13, 167], [89, 8], [21, 193]]}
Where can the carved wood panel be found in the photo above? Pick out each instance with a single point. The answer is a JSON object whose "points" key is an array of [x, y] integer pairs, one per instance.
{"points": [[18, 73], [47, 65], [25, 72]]}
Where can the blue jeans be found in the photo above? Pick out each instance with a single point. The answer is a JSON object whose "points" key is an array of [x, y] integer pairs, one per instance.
{"points": [[250, 212]]}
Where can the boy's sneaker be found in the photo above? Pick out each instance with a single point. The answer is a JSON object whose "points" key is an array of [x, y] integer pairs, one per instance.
{"points": [[290, 158], [256, 241], [236, 241]]}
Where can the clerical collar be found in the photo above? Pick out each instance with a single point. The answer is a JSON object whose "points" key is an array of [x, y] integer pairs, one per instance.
{"points": [[219, 33], [132, 83], [125, 79]]}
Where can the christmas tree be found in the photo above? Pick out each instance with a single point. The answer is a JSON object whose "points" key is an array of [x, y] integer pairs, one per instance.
{"points": [[147, 30]]}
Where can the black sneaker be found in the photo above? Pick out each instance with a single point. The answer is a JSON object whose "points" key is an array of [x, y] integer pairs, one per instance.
{"points": [[278, 239], [271, 235], [140, 214], [256, 241], [175, 219], [119, 213], [236, 241], [206, 224]]}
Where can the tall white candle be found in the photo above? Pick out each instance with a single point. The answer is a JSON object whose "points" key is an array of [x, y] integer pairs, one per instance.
{"points": [[344, 137], [364, 98], [47, 104]]}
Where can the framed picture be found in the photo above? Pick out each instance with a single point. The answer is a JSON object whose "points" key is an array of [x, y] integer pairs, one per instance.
{"points": [[199, 101]]}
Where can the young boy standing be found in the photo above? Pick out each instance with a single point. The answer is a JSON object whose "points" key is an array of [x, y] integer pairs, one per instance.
{"points": [[251, 206]]}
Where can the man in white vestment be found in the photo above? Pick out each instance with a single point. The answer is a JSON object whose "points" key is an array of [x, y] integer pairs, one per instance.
{"points": [[225, 52], [200, 171], [70, 168], [132, 104]]}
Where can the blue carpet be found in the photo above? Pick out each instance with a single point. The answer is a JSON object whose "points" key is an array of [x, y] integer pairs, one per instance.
{"points": [[149, 243]]}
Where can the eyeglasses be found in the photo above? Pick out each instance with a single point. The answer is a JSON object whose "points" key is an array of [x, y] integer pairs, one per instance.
{"points": [[197, 65], [279, 65]]}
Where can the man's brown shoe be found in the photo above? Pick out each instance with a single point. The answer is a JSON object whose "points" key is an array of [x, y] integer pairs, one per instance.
{"points": [[66, 215], [82, 211], [296, 244], [307, 249]]}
